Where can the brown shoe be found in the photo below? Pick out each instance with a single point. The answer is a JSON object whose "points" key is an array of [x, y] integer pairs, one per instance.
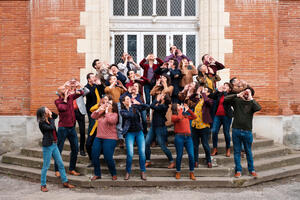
{"points": [[57, 174], [192, 176], [44, 188], [143, 176], [95, 178], [209, 165], [148, 164], [68, 185], [127, 175], [196, 164], [153, 144], [121, 144], [228, 152], [74, 173], [177, 175], [215, 152], [171, 165], [114, 178]]}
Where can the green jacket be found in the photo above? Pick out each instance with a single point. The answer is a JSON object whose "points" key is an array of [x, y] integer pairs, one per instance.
{"points": [[243, 111]]}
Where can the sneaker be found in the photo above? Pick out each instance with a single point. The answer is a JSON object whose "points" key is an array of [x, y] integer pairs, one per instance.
{"points": [[237, 175], [253, 174]]}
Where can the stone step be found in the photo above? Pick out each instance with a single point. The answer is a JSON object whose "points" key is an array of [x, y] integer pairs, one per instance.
{"points": [[161, 160], [257, 143], [260, 164], [205, 182]]}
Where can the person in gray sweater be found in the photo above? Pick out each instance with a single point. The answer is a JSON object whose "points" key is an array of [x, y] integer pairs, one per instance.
{"points": [[244, 107]]}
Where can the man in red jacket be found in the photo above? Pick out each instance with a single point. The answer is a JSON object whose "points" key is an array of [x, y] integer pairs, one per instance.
{"points": [[149, 74], [66, 125]]}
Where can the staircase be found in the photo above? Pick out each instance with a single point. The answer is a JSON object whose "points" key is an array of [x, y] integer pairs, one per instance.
{"points": [[271, 162]]}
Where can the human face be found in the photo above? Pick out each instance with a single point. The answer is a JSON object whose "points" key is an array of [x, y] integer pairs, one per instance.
{"points": [[185, 62], [171, 62], [114, 69], [226, 88], [131, 75], [105, 99], [91, 80], [127, 101], [206, 58], [98, 64], [203, 69], [125, 55], [173, 48], [61, 91], [151, 57], [112, 79], [136, 87], [164, 79]]}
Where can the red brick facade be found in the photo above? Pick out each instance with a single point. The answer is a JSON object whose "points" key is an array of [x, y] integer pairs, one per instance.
{"points": [[38, 51]]}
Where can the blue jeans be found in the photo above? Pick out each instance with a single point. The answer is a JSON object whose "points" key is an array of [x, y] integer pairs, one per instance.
{"points": [[48, 152], [202, 134], [240, 137], [144, 121], [119, 125], [140, 141], [70, 133], [187, 142], [218, 121], [160, 133], [147, 89], [107, 146]]}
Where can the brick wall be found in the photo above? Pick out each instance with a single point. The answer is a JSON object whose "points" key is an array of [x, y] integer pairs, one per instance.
{"points": [[254, 30], [14, 57], [289, 53], [55, 28]]}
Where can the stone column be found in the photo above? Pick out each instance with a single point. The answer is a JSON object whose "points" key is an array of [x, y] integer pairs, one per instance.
{"points": [[97, 39], [212, 21]]}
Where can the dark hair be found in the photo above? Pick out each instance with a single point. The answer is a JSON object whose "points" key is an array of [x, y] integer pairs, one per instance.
{"points": [[232, 80], [203, 57], [175, 62], [131, 70], [94, 63], [40, 114], [229, 85], [122, 100], [174, 109], [251, 89], [88, 76], [109, 77], [115, 108], [113, 65], [168, 79], [167, 99]]}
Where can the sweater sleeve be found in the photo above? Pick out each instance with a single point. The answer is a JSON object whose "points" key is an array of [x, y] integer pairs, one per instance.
{"points": [[192, 116], [142, 63], [177, 118], [230, 97], [44, 127], [96, 115], [255, 106], [61, 106]]}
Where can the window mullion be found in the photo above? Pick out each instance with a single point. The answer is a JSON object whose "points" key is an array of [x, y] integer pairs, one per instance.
{"points": [[154, 7], [125, 7], [168, 8], [140, 8], [182, 8], [155, 44]]}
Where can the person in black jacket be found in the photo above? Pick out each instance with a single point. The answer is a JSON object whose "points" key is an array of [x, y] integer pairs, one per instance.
{"points": [[46, 119], [223, 116], [158, 128]]}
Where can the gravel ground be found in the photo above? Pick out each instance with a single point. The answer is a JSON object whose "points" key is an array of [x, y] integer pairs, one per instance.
{"points": [[285, 189]]}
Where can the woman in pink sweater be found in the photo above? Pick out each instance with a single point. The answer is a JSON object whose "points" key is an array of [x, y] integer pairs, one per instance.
{"points": [[106, 138]]}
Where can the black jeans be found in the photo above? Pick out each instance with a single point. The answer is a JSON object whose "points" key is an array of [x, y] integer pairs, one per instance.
{"points": [[90, 139], [80, 118]]}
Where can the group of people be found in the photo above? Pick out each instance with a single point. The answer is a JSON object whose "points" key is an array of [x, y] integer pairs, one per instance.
{"points": [[120, 100]]}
